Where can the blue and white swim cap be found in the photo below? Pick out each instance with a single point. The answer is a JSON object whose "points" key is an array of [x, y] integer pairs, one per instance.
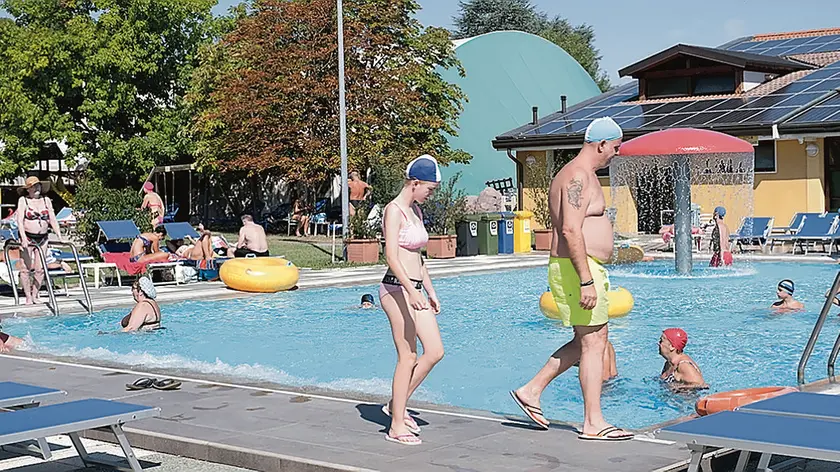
{"points": [[603, 129], [423, 168]]}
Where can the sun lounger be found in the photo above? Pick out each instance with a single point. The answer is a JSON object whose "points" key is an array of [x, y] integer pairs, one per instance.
{"points": [[181, 230], [815, 229], [795, 223], [754, 229], [72, 418], [16, 396], [115, 234]]}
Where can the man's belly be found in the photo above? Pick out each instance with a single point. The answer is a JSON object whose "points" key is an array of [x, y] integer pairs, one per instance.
{"points": [[598, 236]]}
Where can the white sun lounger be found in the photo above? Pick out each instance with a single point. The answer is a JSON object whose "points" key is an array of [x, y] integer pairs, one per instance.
{"points": [[16, 396], [72, 418], [801, 425]]}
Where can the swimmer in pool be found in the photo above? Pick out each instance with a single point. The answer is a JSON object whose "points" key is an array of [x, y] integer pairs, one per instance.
{"points": [[367, 302], [786, 303], [146, 313], [680, 371]]}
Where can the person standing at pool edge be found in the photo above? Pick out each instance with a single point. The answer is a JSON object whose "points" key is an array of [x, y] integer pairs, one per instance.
{"points": [[582, 241], [410, 313]]}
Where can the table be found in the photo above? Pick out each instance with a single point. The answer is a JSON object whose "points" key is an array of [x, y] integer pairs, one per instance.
{"points": [[98, 266]]}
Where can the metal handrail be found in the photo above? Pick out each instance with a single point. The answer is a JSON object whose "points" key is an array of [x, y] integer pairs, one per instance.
{"points": [[53, 305], [812, 341]]}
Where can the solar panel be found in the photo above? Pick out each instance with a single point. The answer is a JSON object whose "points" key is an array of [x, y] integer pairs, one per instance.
{"points": [[798, 86], [801, 99], [729, 104], [668, 120], [770, 115], [701, 105], [768, 101], [821, 74], [701, 118], [816, 115], [830, 47], [826, 85], [735, 116]]}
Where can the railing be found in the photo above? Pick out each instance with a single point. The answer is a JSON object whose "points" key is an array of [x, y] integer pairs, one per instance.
{"points": [[53, 304], [812, 341]]}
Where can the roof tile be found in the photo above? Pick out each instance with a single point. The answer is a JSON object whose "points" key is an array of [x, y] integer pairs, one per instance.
{"points": [[796, 34]]}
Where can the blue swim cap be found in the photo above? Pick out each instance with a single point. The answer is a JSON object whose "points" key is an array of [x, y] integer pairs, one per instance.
{"points": [[786, 286], [423, 168], [367, 298], [603, 129], [721, 211]]}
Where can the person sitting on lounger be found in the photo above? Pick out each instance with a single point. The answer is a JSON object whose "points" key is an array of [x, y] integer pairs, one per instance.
{"points": [[146, 312], [200, 250], [8, 342], [786, 303], [146, 248], [252, 239], [17, 262], [680, 371]]}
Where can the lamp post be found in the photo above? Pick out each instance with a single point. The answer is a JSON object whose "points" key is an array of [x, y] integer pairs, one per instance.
{"points": [[342, 105]]}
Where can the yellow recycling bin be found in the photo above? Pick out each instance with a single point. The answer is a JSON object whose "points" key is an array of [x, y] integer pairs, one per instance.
{"points": [[522, 231]]}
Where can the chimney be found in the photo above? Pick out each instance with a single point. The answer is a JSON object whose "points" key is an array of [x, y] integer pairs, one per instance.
{"points": [[535, 115], [563, 104]]}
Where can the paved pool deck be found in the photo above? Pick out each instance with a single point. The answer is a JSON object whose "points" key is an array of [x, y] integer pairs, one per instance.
{"points": [[269, 427]]}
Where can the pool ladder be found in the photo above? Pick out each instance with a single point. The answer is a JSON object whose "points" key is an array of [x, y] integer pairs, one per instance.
{"points": [[812, 341], [53, 304]]}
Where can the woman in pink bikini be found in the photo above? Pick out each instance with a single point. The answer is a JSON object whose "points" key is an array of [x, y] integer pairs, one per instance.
{"points": [[153, 202], [411, 314]]}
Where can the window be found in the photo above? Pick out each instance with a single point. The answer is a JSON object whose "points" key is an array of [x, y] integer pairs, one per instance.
{"points": [[670, 87], [714, 84], [765, 156]]}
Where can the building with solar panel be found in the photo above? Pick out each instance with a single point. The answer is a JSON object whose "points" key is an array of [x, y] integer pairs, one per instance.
{"points": [[779, 91]]}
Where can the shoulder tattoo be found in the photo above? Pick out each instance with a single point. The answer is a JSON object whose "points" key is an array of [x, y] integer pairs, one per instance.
{"points": [[575, 191]]}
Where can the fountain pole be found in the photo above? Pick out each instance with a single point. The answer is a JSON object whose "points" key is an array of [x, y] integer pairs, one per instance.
{"points": [[682, 214]]}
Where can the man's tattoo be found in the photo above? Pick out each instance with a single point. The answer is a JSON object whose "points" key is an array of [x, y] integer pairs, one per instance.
{"points": [[575, 191]]}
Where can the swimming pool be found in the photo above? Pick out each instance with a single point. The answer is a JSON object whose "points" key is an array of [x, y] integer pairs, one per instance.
{"points": [[494, 334]]}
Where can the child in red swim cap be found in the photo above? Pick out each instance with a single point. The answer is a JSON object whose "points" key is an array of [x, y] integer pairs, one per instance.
{"points": [[680, 370]]}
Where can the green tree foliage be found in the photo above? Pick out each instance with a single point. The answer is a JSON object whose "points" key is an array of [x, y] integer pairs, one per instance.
{"points": [[105, 204], [445, 207], [106, 77], [484, 16], [266, 97]]}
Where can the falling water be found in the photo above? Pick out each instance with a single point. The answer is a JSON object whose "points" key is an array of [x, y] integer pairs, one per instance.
{"points": [[649, 191]]}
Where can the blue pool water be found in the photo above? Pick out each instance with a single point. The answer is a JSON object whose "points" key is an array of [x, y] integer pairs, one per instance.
{"points": [[494, 334]]}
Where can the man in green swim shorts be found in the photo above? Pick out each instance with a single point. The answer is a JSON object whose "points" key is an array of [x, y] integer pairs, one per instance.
{"points": [[582, 242]]}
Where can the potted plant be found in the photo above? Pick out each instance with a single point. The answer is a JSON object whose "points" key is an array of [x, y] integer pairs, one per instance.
{"points": [[539, 182], [441, 211], [362, 245]]}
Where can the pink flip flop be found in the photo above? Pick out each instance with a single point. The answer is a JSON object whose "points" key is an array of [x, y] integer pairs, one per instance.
{"points": [[409, 421], [404, 439]]}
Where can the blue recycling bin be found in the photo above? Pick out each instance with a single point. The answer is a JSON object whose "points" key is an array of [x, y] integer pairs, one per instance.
{"points": [[506, 232]]}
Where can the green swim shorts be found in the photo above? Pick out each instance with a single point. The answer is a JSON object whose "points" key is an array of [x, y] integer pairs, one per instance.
{"points": [[564, 283]]}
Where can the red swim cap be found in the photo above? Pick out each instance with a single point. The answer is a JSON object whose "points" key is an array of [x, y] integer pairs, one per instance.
{"points": [[677, 337], [149, 186]]}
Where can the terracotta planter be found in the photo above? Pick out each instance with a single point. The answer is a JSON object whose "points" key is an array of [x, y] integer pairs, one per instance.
{"points": [[542, 239], [364, 251], [441, 247]]}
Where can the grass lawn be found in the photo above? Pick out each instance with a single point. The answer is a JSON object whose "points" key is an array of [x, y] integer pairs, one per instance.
{"points": [[313, 253]]}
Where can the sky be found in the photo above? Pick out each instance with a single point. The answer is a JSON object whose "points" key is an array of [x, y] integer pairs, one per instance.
{"points": [[628, 31]]}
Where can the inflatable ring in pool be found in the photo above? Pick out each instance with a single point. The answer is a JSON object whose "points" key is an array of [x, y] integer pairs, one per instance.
{"points": [[259, 274], [628, 254], [621, 303], [727, 401]]}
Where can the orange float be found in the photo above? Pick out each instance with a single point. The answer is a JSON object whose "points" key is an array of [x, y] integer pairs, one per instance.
{"points": [[728, 401]]}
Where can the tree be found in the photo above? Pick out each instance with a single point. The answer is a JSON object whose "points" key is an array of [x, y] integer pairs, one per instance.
{"points": [[106, 77], [484, 16], [267, 95]]}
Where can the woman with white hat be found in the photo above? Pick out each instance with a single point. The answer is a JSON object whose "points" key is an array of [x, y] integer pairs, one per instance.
{"points": [[34, 216], [146, 313]]}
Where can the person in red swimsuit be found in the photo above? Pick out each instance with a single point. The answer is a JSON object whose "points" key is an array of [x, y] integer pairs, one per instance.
{"points": [[720, 241]]}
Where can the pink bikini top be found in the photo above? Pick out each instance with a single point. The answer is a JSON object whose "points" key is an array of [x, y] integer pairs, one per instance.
{"points": [[413, 236]]}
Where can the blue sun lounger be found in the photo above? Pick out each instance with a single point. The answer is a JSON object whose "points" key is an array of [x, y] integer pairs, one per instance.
{"points": [[181, 230], [802, 425], [815, 229], [115, 233], [72, 418], [16, 396], [752, 230]]}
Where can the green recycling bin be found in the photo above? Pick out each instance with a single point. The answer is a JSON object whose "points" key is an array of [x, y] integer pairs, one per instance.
{"points": [[467, 231], [488, 234]]}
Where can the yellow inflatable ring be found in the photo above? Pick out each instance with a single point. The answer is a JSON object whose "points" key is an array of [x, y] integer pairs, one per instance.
{"points": [[621, 303], [259, 274]]}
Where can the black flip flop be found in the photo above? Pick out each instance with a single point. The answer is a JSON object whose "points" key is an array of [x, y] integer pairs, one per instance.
{"points": [[167, 384], [141, 384]]}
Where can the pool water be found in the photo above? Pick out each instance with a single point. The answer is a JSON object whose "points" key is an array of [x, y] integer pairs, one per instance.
{"points": [[494, 335]]}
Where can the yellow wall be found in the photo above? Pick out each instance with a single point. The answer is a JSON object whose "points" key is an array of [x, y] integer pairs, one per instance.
{"points": [[796, 186], [527, 201]]}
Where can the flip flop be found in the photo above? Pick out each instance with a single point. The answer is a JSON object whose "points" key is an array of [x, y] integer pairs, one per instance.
{"points": [[141, 384], [409, 421], [604, 435], [404, 439], [534, 413], [167, 384]]}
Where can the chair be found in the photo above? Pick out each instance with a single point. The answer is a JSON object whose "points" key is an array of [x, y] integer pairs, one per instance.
{"points": [[814, 229], [754, 229], [71, 418], [115, 231], [16, 396], [171, 211], [795, 223], [802, 425], [181, 230]]}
